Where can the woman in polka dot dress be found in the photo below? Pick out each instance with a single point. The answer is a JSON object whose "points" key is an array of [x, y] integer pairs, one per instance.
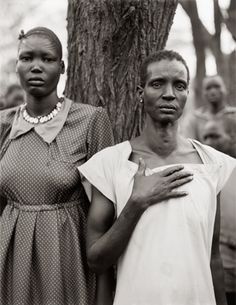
{"points": [[44, 206]]}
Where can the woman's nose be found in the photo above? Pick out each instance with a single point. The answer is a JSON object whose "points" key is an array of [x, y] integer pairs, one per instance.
{"points": [[36, 67], [168, 92]]}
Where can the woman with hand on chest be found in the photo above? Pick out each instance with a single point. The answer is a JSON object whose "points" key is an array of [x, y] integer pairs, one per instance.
{"points": [[155, 208]]}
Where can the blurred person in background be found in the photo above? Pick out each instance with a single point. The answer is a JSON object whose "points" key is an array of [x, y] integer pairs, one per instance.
{"points": [[43, 203], [221, 134], [216, 107], [14, 96]]}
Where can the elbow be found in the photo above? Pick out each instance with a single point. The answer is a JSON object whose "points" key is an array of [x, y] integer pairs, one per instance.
{"points": [[96, 263], [96, 268]]}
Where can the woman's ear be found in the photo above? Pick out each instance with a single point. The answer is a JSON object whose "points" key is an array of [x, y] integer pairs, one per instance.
{"points": [[140, 92], [62, 67]]}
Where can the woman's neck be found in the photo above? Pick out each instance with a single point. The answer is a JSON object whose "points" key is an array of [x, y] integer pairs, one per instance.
{"points": [[161, 138], [39, 106]]}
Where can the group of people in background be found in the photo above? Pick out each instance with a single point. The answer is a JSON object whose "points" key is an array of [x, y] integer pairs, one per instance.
{"points": [[214, 124], [87, 222]]}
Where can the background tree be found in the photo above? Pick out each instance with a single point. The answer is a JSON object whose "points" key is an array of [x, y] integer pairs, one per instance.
{"points": [[204, 41], [107, 41]]}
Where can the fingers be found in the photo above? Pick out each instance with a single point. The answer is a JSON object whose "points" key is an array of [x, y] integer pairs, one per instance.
{"points": [[181, 181], [168, 195], [175, 194], [179, 175], [141, 167], [170, 170]]}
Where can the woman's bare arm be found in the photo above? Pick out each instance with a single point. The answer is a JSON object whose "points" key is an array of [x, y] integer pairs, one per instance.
{"points": [[106, 238]]}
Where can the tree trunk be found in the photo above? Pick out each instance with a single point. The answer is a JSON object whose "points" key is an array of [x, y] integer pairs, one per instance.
{"points": [[107, 41], [230, 21], [200, 43]]}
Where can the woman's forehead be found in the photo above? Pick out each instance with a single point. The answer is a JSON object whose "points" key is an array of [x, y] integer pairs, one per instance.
{"points": [[38, 42], [167, 67]]}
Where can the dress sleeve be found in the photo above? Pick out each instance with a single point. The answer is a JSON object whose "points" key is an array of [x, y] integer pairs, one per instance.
{"points": [[99, 134], [226, 166], [99, 171], [6, 121], [3, 203]]}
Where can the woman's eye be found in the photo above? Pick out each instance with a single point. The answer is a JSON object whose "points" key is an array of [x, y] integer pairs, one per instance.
{"points": [[47, 59], [180, 86], [25, 58], [156, 84]]}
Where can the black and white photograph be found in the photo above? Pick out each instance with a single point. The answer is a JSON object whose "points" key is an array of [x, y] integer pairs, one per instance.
{"points": [[118, 152]]}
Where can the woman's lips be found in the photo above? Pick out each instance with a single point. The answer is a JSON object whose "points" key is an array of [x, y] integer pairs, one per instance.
{"points": [[36, 81], [167, 108]]}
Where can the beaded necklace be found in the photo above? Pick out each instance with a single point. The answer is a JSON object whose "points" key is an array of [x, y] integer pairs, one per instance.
{"points": [[41, 118]]}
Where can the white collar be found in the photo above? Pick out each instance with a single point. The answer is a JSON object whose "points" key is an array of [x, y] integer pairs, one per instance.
{"points": [[48, 131]]}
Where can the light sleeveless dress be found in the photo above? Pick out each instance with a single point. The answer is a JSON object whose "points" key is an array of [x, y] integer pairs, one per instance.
{"points": [[167, 260]]}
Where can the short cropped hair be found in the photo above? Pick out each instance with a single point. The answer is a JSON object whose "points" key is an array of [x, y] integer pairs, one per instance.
{"points": [[43, 31], [158, 56]]}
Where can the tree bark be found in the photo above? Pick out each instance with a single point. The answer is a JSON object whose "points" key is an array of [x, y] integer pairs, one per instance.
{"points": [[107, 41]]}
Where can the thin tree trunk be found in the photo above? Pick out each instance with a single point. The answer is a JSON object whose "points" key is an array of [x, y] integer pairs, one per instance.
{"points": [[200, 43], [203, 40], [107, 41], [230, 21]]}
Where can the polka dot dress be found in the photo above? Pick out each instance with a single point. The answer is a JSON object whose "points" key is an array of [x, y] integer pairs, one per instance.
{"points": [[42, 227]]}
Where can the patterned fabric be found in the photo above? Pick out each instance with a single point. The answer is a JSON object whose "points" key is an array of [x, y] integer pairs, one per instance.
{"points": [[42, 227], [167, 259], [47, 131]]}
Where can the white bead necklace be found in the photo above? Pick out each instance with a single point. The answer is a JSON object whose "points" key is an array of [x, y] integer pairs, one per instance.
{"points": [[41, 118]]}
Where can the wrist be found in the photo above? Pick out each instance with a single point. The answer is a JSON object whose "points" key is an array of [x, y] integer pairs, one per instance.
{"points": [[137, 204]]}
